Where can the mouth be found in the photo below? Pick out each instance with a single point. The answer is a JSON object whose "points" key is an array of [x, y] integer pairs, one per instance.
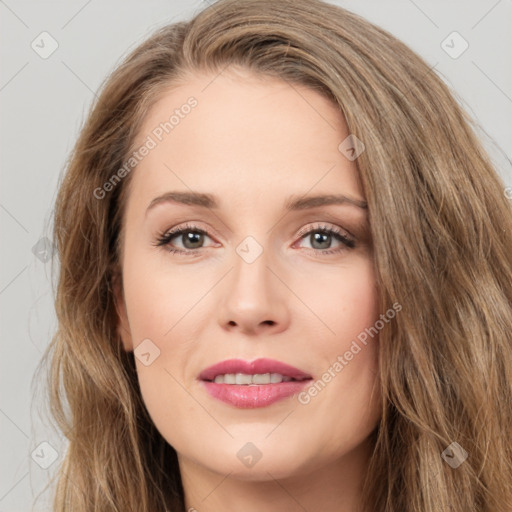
{"points": [[244, 379], [253, 384]]}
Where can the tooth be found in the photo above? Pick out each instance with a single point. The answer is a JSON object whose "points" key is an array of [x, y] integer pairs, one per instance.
{"points": [[243, 378], [251, 380], [276, 378], [229, 378], [261, 378]]}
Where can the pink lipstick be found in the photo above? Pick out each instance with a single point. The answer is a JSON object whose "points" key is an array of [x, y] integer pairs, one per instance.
{"points": [[253, 384]]}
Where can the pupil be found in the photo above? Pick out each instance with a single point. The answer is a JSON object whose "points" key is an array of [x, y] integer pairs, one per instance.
{"points": [[321, 238], [192, 238]]}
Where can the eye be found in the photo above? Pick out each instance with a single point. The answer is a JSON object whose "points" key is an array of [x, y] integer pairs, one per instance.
{"points": [[191, 238], [322, 237]]}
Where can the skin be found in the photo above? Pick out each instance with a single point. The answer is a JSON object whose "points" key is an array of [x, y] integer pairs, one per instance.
{"points": [[253, 142]]}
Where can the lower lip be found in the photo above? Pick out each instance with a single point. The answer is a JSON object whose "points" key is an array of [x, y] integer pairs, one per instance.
{"points": [[251, 397]]}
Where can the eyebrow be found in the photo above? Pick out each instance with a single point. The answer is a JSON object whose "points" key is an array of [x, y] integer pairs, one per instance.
{"points": [[302, 202], [293, 203]]}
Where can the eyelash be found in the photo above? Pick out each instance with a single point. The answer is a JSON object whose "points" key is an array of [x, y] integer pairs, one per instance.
{"points": [[164, 238]]}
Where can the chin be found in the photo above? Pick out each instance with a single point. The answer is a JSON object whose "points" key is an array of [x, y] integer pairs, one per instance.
{"points": [[257, 461]]}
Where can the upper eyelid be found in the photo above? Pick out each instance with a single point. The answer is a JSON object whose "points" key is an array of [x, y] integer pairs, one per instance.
{"points": [[323, 226], [319, 226]]}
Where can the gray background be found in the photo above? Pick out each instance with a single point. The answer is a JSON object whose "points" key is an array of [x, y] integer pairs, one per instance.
{"points": [[43, 102]]}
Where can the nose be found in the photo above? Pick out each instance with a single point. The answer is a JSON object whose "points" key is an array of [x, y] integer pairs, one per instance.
{"points": [[254, 300]]}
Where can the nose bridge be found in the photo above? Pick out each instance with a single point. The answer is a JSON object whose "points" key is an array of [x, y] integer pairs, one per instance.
{"points": [[250, 277], [252, 296]]}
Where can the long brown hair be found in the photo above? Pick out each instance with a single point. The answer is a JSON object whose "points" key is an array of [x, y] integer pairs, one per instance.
{"points": [[442, 239]]}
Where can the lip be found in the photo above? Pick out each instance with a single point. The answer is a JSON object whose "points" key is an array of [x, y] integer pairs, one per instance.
{"points": [[253, 396]]}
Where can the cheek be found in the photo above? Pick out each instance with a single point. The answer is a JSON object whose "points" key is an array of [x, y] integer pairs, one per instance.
{"points": [[357, 307], [344, 302], [347, 374], [157, 295], [160, 307], [358, 311]]}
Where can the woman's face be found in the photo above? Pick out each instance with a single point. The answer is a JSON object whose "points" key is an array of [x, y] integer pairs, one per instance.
{"points": [[262, 272]]}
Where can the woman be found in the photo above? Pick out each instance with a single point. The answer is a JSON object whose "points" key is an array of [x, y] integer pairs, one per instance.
{"points": [[286, 278]]}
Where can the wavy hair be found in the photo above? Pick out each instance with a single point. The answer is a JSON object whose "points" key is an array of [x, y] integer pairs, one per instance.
{"points": [[442, 238]]}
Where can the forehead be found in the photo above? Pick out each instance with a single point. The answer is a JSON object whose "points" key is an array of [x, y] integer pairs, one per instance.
{"points": [[242, 136]]}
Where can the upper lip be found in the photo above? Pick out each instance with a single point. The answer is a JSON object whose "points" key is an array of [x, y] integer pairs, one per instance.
{"points": [[258, 366]]}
